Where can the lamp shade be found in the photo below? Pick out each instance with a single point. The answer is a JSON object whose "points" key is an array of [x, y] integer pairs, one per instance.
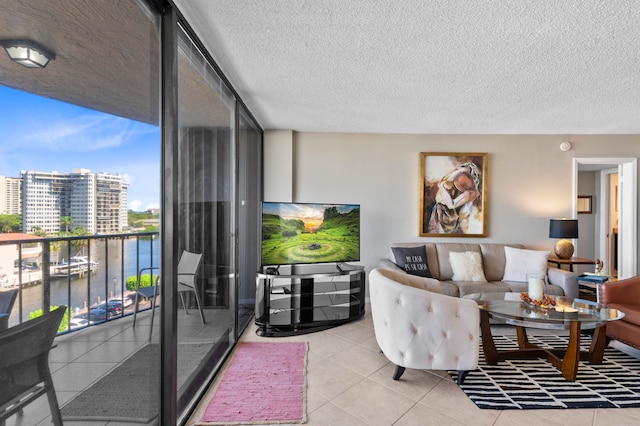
{"points": [[563, 228]]}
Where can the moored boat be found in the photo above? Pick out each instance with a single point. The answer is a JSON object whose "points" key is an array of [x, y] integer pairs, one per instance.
{"points": [[77, 265]]}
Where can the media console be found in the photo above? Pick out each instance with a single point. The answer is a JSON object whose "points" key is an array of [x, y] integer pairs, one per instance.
{"points": [[300, 299]]}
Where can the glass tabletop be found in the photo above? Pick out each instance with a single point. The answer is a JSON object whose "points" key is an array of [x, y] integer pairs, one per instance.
{"points": [[510, 308]]}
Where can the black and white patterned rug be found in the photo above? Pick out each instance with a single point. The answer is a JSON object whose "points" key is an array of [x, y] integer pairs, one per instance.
{"points": [[537, 384]]}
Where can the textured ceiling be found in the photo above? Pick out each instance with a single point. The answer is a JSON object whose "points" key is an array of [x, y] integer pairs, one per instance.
{"points": [[438, 66], [107, 59]]}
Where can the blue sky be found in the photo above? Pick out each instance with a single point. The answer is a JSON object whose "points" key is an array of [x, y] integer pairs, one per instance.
{"points": [[42, 134]]}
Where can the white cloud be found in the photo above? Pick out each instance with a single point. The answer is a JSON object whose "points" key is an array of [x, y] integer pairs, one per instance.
{"points": [[86, 132], [135, 205]]}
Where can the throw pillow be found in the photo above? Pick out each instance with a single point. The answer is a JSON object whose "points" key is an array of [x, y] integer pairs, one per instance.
{"points": [[467, 266], [412, 259], [520, 262]]}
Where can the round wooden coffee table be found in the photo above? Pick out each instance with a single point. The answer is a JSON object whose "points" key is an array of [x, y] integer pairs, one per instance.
{"points": [[568, 314]]}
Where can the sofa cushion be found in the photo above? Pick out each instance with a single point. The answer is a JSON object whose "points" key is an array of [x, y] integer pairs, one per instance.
{"points": [[467, 266], [443, 250], [429, 284], [493, 260], [412, 259], [520, 262], [518, 287], [432, 256], [467, 287]]}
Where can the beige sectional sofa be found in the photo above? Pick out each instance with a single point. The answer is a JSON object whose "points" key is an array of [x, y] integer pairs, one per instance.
{"points": [[493, 260]]}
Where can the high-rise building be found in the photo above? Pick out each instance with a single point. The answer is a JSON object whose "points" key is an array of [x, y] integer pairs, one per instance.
{"points": [[111, 202], [95, 201], [10, 196]]}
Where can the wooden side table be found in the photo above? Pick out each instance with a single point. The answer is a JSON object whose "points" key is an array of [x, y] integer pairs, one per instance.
{"points": [[572, 261]]}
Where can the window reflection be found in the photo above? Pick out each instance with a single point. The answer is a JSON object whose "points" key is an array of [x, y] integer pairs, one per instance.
{"points": [[206, 215]]}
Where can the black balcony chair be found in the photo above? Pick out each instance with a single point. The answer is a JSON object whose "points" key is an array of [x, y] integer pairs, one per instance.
{"points": [[24, 365], [150, 293], [7, 299]]}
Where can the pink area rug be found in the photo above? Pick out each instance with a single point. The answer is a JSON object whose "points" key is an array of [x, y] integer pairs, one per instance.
{"points": [[265, 383]]}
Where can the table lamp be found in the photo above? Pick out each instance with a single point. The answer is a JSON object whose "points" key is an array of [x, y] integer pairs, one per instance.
{"points": [[563, 229]]}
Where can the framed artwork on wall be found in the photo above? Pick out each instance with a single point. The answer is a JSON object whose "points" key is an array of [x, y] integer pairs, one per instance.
{"points": [[585, 204], [453, 194]]}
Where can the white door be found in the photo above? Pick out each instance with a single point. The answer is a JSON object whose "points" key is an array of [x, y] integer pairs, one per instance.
{"points": [[627, 209], [627, 220]]}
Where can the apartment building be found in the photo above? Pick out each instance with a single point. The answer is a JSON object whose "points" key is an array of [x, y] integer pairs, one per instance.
{"points": [[94, 201], [10, 200]]}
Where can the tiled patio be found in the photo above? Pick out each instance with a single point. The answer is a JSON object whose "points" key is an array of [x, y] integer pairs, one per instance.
{"points": [[82, 357]]}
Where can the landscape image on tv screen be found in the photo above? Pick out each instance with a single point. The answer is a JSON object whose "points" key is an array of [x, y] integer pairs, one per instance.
{"points": [[295, 233]]}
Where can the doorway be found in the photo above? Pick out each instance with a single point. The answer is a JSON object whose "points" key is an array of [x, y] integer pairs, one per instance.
{"points": [[615, 192]]}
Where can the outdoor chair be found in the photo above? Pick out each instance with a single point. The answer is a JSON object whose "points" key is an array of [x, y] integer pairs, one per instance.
{"points": [[24, 365], [187, 272], [150, 293], [7, 299]]}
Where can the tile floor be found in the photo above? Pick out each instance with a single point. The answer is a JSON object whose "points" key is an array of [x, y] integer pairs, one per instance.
{"points": [[82, 357], [349, 383]]}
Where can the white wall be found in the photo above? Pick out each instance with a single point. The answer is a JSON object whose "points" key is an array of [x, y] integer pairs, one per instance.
{"points": [[529, 180], [278, 183]]}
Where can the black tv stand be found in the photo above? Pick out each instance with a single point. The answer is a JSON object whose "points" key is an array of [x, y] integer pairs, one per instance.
{"points": [[306, 298], [273, 270], [342, 266]]}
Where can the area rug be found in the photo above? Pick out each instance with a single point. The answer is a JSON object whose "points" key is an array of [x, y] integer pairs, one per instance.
{"points": [[537, 384], [130, 392], [264, 383]]}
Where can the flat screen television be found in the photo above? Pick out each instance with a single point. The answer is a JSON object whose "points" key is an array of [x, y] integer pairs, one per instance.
{"points": [[299, 233]]}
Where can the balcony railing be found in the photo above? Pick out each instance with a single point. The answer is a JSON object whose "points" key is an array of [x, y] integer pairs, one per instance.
{"points": [[87, 274]]}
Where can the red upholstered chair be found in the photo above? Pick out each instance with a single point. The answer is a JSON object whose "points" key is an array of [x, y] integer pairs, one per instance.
{"points": [[625, 296]]}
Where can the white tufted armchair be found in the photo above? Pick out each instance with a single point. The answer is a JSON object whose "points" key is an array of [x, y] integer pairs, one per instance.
{"points": [[416, 328]]}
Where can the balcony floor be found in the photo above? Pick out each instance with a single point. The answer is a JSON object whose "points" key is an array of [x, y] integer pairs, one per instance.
{"points": [[80, 358]]}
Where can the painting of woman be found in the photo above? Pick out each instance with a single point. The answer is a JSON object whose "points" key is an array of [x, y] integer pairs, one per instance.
{"points": [[452, 202]]}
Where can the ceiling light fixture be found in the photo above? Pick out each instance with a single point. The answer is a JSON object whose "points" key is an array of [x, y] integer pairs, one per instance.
{"points": [[27, 53]]}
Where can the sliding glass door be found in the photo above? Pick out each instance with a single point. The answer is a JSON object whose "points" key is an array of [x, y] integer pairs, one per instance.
{"points": [[106, 103], [206, 219], [249, 197]]}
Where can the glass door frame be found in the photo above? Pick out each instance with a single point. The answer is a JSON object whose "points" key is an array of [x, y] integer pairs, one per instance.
{"points": [[169, 216], [170, 27]]}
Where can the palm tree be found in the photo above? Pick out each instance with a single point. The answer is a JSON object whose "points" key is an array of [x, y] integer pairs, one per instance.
{"points": [[79, 231], [65, 221], [36, 230]]}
